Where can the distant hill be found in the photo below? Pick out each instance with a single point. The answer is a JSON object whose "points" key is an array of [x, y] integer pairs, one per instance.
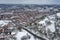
{"points": [[27, 5]]}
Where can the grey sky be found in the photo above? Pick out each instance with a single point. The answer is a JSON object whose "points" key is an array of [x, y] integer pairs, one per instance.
{"points": [[29, 1]]}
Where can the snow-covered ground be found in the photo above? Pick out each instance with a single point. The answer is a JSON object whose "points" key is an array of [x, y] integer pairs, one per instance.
{"points": [[58, 14], [19, 35], [52, 19], [4, 22], [51, 27]]}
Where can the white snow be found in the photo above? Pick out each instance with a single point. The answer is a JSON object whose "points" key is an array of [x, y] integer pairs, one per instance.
{"points": [[19, 35], [43, 21], [58, 14], [14, 32], [52, 17], [4, 22], [50, 27], [32, 38]]}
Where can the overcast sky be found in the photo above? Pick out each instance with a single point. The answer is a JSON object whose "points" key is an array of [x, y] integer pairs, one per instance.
{"points": [[29, 1]]}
